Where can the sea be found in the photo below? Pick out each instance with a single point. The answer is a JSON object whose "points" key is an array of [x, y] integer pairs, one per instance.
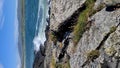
{"points": [[36, 16]]}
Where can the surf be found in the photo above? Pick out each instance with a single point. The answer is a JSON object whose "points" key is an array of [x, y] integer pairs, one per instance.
{"points": [[41, 25]]}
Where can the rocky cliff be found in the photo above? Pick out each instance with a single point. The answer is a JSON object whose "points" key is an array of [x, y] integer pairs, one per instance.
{"points": [[62, 10], [83, 34]]}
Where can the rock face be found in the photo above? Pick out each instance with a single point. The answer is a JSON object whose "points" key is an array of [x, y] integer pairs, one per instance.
{"points": [[104, 21], [99, 46], [61, 10], [39, 58], [111, 2]]}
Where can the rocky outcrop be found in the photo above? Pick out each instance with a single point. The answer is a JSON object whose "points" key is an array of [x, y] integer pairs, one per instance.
{"points": [[103, 22], [62, 10], [99, 46], [111, 2], [39, 58]]}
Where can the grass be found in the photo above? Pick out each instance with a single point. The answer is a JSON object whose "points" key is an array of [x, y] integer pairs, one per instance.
{"points": [[60, 45], [93, 54], [52, 37], [53, 64], [112, 29], [79, 28], [63, 65]]}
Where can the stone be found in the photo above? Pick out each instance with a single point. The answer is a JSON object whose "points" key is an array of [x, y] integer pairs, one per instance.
{"points": [[111, 2], [62, 10], [92, 38]]}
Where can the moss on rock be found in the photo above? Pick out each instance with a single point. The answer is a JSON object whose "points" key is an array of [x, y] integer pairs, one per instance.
{"points": [[112, 29], [52, 36], [79, 28], [93, 54]]}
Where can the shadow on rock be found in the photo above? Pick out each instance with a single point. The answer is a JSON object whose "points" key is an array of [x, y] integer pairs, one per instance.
{"points": [[111, 8]]}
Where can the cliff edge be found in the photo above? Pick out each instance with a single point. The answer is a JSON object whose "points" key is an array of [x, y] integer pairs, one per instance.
{"points": [[83, 34]]}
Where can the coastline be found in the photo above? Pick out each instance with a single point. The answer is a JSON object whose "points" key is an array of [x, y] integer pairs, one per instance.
{"points": [[40, 55], [21, 20]]}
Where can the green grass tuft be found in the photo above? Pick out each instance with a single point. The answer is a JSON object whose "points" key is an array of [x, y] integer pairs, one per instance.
{"points": [[112, 29], [53, 37], [53, 64], [93, 54], [79, 28], [65, 65]]}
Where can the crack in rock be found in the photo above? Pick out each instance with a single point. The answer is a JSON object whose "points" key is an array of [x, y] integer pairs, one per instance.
{"points": [[103, 41]]}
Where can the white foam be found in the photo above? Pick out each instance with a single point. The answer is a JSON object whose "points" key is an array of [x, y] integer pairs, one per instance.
{"points": [[37, 43], [40, 38]]}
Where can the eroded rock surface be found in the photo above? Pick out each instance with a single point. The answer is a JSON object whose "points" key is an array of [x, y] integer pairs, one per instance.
{"points": [[102, 36], [61, 10], [92, 38]]}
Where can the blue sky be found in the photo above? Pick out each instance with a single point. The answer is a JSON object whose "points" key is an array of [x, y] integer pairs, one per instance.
{"points": [[9, 57]]}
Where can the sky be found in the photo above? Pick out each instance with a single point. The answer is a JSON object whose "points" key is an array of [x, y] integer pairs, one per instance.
{"points": [[9, 57]]}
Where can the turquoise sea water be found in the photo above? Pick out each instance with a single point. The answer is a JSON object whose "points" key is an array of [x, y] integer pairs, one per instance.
{"points": [[31, 10], [36, 12]]}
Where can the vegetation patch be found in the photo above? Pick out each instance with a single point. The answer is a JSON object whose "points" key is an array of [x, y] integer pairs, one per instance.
{"points": [[112, 29], [53, 64], [79, 28], [52, 36], [100, 7], [60, 44], [110, 51], [93, 55], [63, 65]]}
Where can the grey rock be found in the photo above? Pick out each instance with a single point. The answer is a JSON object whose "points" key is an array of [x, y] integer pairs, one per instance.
{"points": [[111, 2], [91, 39], [98, 3], [101, 26], [61, 10]]}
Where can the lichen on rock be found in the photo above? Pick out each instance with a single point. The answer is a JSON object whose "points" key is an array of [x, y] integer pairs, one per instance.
{"points": [[110, 51], [93, 55]]}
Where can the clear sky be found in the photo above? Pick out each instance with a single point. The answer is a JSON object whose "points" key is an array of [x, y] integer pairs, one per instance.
{"points": [[9, 57]]}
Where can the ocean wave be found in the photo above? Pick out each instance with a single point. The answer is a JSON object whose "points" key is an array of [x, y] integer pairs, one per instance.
{"points": [[43, 14]]}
